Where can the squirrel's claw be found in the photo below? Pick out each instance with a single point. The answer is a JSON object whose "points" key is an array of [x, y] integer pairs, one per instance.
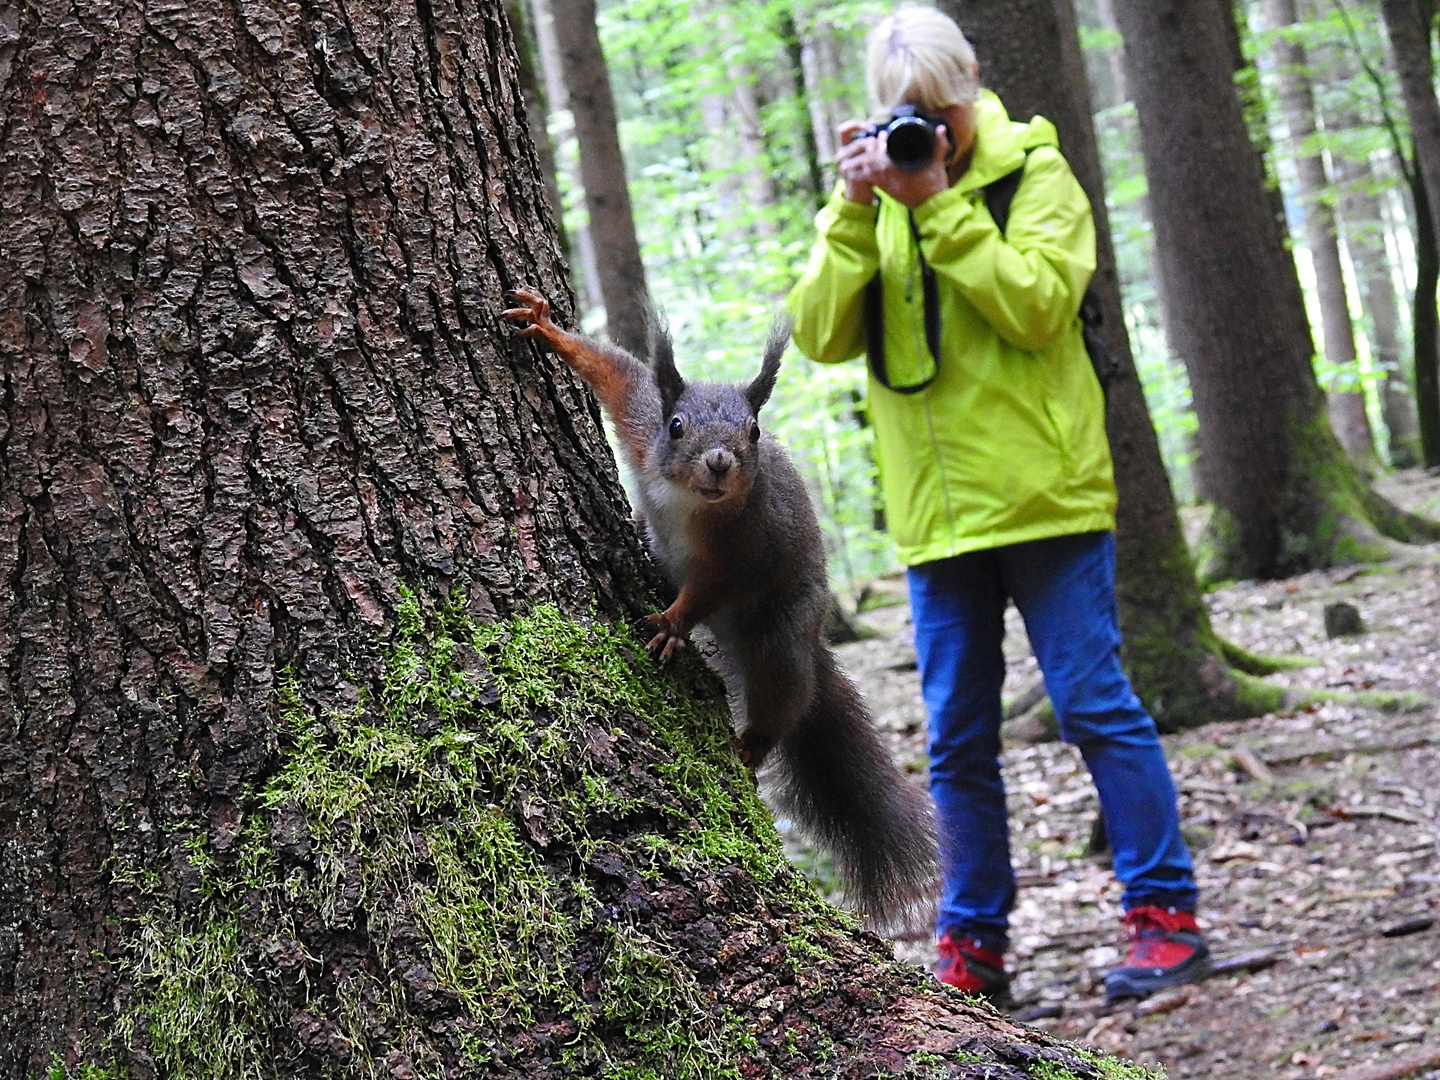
{"points": [[669, 639], [534, 317]]}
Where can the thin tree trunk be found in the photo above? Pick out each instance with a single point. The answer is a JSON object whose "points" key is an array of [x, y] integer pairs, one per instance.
{"points": [[1297, 101], [1287, 498], [582, 251], [1407, 24], [1170, 651], [820, 63], [602, 171], [1363, 226], [326, 752], [750, 144], [1115, 64], [537, 111], [798, 86]]}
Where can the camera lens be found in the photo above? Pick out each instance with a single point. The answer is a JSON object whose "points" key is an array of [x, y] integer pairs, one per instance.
{"points": [[911, 144]]}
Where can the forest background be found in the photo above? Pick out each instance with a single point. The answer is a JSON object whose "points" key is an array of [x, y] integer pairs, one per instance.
{"points": [[726, 114], [328, 748]]}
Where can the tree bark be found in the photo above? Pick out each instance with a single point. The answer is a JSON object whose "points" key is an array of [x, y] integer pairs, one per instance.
{"points": [[602, 171], [1170, 651], [325, 749], [1287, 498], [1297, 101], [1408, 26]]}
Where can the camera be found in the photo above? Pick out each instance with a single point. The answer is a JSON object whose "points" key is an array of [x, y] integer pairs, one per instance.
{"points": [[911, 142]]}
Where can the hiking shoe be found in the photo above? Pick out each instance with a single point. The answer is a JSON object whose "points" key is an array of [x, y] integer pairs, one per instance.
{"points": [[1165, 949], [967, 965]]}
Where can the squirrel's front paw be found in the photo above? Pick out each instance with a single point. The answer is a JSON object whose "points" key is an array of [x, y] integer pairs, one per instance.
{"points": [[535, 315], [669, 637]]}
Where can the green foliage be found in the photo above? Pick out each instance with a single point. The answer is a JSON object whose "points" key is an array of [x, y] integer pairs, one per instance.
{"points": [[728, 202], [428, 814], [715, 108]]}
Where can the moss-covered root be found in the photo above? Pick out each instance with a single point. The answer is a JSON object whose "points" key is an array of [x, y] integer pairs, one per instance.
{"points": [[1254, 664], [1386, 701], [1398, 524]]}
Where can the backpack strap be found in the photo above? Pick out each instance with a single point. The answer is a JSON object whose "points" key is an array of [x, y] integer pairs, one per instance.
{"points": [[998, 196]]}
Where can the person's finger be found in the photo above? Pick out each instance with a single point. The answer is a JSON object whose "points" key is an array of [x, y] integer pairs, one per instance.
{"points": [[849, 130]]}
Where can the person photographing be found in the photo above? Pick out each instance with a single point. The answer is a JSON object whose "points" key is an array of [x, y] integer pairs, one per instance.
{"points": [[996, 474]]}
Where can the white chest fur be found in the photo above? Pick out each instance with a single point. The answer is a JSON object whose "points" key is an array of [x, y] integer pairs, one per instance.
{"points": [[668, 509]]}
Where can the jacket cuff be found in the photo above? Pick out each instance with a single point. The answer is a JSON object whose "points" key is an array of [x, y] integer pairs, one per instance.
{"points": [[952, 203], [848, 222]]}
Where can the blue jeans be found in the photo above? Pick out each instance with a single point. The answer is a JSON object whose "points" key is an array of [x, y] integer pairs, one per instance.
{"points": [[1065, 591]]}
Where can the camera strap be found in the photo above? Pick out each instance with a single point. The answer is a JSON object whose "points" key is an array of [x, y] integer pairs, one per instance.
{"points": [[874, 322]]}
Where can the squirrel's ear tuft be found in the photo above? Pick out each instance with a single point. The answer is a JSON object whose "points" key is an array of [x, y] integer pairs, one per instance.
{"points": [[758, 392], [662, 362]]}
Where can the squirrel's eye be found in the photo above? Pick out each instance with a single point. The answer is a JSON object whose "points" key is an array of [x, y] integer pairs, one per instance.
{"points": [[677, 428], [754, 432]]}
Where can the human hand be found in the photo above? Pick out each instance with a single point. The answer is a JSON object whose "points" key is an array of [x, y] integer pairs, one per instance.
{"points": [[854, 161]]}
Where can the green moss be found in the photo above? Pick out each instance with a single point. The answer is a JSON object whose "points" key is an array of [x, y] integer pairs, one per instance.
{"points": [[485, 760], [1254, 664], [59, 1071], [1387, 701], [1112, 1068]]}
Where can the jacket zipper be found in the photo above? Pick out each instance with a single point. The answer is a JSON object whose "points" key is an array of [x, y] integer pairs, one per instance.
{"points": [[940, 468]]}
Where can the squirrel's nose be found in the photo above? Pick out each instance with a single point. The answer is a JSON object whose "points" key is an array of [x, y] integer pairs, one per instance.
{"points": [[719, 460]]}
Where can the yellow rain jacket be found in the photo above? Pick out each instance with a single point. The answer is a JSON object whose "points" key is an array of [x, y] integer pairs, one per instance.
{"points": [[1007, 444]]}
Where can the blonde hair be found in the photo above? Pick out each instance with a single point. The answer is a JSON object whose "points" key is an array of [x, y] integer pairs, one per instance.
{"points": [[918, 55]]}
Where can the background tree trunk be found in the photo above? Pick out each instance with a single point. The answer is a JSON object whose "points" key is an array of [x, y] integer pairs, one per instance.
{"points": [[1346, 407], [1363, 225], [1407, 24], [582, 250], [602, 171], [1287, 498], [537, 109], [820, 65], [322, 754], [1170, 650]]}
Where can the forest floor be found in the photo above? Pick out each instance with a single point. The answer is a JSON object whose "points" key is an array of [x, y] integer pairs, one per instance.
{"points": [[1314, 831]]}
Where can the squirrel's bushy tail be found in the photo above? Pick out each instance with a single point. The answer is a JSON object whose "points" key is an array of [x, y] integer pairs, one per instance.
{"points": [[833, 776]]}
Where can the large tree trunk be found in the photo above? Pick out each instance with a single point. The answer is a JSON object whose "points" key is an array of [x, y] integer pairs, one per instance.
{"points": [[1297, 101], [1287, 498], [1408, 25], [1170, 651], [325, 750], [602, 172]]}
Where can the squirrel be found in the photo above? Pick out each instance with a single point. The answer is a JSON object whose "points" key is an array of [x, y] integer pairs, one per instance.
{"points": [[727, 516]]}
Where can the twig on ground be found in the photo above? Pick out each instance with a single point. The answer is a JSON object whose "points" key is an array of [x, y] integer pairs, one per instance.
{"points": [[1250, 762]]}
